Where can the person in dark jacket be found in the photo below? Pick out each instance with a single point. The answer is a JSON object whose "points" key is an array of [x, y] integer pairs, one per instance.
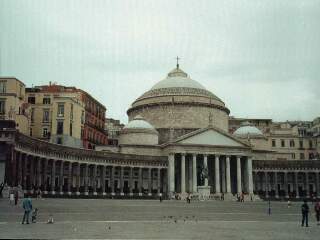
{"points": [[27, 206], [305, 213]]}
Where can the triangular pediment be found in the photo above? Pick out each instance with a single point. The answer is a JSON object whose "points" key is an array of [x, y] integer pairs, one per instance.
{"points": [[211, 136]]}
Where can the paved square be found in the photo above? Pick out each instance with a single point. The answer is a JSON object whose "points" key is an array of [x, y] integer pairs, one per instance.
{"points": [[150, 219]]}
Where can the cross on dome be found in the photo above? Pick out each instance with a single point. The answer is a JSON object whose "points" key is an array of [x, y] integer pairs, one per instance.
{"points": [[178, 61]]}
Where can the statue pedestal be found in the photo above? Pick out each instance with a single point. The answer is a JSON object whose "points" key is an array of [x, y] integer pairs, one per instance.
{"points": [[204, 191]]}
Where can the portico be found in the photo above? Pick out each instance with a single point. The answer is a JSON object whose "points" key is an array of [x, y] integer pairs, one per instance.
{"points": [[209, 157]]}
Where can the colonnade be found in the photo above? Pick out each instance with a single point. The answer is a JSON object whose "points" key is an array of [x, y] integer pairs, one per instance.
{"points": [[226, 173], [287, 183], [54, 176]]}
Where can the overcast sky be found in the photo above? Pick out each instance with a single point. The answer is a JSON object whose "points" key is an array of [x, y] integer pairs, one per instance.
{"points": [[262, 58]]}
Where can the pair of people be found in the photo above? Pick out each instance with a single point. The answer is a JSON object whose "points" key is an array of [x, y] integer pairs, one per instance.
{"points": [[305, 213]]}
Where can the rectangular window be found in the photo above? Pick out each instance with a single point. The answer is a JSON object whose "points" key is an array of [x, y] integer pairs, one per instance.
{"points": [[71, 112], [3, 86], [293, 155], [30, 132], [301, 144], [291, 143], [60, 110], [46, 100], [301, 156], [2, 106], [32, 115], [282, 143], [70, 129], [59, 140], [82, 117], [59, 127], [310, 144], [45, 117], [45, 132], [273, 142], [32, 100], [82, 133]]}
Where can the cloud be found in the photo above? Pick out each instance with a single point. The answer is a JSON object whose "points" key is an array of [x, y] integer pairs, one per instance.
{"points": [[252, 54]]}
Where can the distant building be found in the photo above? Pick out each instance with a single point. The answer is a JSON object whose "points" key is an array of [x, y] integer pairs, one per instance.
{"points": [[12, 103], [66, 115], [291, 140], [113, 128]]}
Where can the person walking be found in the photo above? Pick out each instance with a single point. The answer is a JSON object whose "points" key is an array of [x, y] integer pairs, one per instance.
{"points": [[27, 206], [305, 213], [317, 211]]}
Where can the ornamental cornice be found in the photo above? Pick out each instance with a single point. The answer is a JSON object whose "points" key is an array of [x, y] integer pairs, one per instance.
{"points": [[181, 91], [200, 104]]}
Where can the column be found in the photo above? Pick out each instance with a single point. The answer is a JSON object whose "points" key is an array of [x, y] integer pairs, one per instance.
{"points": [[183, 173], [112, 180], [266, 184], [317, 185], [39, 173], [69, 178], [31, 174], [121, 181], [131, 182], [95, 180], [86, 180], [149, 181], [239, 186], [20, 169], [307, 185], [223, 175], [24, 172], [140, 182], [205, 165], [276, 184], [53, 177], [217, 174], [45, 177], [189, 179], [286, 184], [171, 174], [194, 173], [13, 178], [78, 179], [296, 184], [228, 180], [61, 178], [250, 178], [159, 182], [103, 180]]}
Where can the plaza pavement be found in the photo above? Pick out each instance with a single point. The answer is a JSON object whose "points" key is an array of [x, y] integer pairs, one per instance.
{"points": [[150, 219]]}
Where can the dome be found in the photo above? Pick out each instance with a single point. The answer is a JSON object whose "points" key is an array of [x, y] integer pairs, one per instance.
{"points": [[247, 129], [177, 78], [179, 102], [139, 123], [178, 82], [138, 132]]}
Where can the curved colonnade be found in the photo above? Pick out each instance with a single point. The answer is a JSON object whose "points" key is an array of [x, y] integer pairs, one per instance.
{"points": [[57, 169], [286, 179]]}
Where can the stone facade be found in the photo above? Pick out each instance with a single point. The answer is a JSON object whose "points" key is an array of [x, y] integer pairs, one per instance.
{"points": [[177, 142]]}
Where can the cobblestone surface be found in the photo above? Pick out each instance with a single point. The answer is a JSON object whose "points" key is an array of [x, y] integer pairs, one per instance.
{"points": [[150, 219]]}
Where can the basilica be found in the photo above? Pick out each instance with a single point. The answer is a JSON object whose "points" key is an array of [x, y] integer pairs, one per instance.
{"points": [[177, 142]]}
